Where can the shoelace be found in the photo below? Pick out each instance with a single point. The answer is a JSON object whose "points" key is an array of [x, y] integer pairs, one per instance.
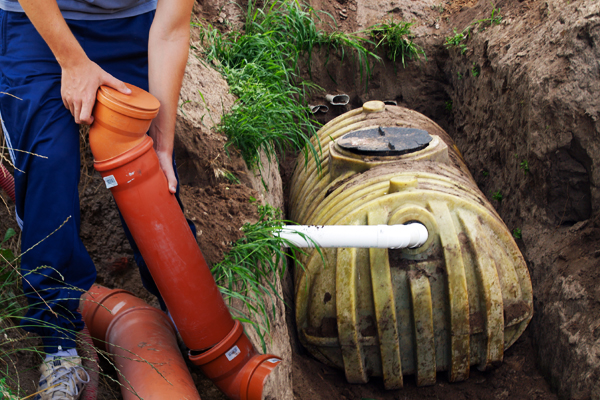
{"points": [[65, 380]]}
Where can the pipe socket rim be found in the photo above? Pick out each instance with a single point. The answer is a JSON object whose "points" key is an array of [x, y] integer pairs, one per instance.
{"points": [[128, 156], [139, 104], [220, 348], [256, 372]]}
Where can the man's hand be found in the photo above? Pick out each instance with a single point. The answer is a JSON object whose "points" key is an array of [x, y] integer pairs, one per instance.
{"points": [[166, 164], [81, 77], [79, 85], [168, 47], [163, 144]]}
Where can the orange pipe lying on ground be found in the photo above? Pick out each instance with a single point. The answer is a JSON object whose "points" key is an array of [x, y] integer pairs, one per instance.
{"points": [[143, 344], [129, 165]]}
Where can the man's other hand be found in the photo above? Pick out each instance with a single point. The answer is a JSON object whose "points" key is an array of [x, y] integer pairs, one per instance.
{"points": [[166, 164]]}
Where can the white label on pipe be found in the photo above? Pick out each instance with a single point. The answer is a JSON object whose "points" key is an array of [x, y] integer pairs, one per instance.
{"points": [[232, 353], [274, 360], [110, 181]]}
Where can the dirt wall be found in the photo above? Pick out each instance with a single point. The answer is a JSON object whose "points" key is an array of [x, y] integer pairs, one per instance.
{"points": [[527, 126]]}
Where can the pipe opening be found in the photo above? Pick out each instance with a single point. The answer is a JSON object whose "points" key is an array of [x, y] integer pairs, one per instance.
{"points": [[338, 99], [421, 230], [198, 352]]}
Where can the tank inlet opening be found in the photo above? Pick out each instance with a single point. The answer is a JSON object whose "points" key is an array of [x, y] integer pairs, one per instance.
{"points": [[411, 235]]}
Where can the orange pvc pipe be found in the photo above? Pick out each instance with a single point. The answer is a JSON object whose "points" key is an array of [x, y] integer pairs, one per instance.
{"points": [[124, 129], [235, 366], [99, 307], [143, 344], [154, 216], [168, 246], [129, 165]]}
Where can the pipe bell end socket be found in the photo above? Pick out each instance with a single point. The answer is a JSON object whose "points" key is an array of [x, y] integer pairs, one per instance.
{"points": [[235, 366]]}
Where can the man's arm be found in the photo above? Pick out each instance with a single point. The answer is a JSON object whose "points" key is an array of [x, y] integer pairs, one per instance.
{"points": [[81, 77], [168, 49]]}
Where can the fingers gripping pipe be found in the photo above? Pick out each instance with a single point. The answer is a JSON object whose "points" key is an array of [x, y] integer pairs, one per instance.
{"points": [[125, 158]]}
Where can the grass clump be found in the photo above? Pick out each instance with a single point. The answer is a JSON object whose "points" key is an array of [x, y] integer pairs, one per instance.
{"points": [[517, 233], [494, 19], [246, 272], [448, 106], [396, 38], [475, 70], [20, 351], [497, 195], [12, 309], [5, 392], [262, 67], [458, 39], [8, 278]]}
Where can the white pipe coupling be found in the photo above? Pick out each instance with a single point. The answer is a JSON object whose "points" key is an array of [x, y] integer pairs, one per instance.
{"points": [[411, 235]]}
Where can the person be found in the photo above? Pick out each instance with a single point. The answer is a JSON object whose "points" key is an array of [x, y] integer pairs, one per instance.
{"points": [[54, 55]]}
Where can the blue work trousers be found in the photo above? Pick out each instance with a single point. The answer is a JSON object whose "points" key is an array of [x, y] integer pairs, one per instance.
{"points": [[44, 142]]}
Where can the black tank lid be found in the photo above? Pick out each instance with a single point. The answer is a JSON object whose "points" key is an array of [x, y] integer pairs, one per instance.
{"points": [[385, 141]]}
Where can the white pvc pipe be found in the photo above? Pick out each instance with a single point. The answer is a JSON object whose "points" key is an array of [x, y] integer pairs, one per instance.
{"points": [[364, 236]]}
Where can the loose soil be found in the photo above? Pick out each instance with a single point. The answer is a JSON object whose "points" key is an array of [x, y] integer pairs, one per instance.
{"points": [[535, 99]]}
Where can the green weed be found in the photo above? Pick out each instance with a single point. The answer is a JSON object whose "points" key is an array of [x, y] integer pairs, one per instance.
{"points": [[524, 165], [342, 43], [246, 273], [459, 75], [396, 38], [13, 305], [485, 173], [262, 67], [458, 39], [5, 392], [9, 278], [517, 233], [231, 177], [497, 196], [448, 106], [475, 70], [494, 19]]}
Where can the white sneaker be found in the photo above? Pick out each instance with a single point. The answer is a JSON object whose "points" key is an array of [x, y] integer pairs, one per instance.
{"points": [[63, 378]]}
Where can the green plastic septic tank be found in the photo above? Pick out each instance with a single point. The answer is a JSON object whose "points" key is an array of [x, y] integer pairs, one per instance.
{"points": [[459, 300]]}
